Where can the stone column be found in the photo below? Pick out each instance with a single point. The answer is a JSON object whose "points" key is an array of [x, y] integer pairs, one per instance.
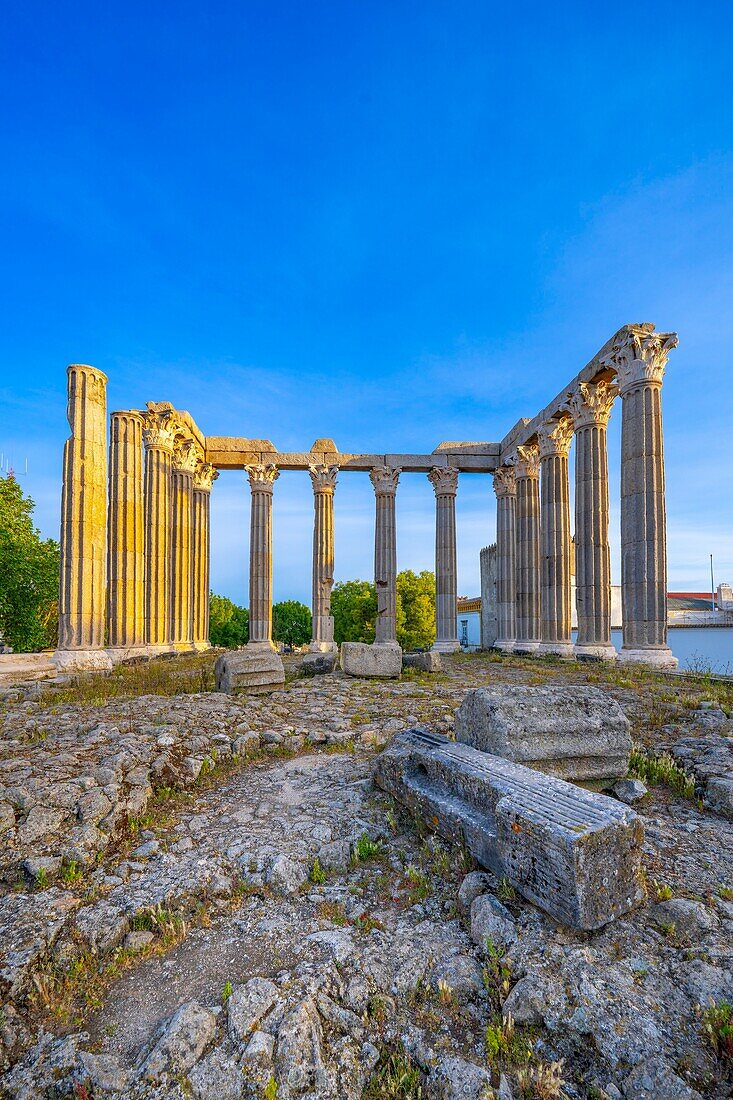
{"points": [[126, 543], [640, 365], [385, 479], [82, 581], [590, 407], [324, 483], [262, 478], [203, 479], [527, 473], [158, 436], [555, 438], [444, 480], [186, 457], [506, 562]]}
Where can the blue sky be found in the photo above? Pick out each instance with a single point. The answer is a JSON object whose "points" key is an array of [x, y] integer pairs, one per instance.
{"points": [[391, 224]]}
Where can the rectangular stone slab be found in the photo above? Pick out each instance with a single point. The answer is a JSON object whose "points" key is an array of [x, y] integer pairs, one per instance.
{"points": [[575, 854]]}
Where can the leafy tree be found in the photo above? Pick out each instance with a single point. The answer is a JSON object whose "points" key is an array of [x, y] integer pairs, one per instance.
{"points": [[354, 609], [29, 574], [228, 623], [291, 622], [415, 609]]}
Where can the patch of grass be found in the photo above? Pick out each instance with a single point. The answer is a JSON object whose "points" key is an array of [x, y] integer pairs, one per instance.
{"points": [[662, 892], [506, 1047], [717, 1031], [332, 911], [396, 1077], [317, 874], [497, 976], [661, 769], [41, 880], [505, 891], [71, 872], [419, 885], [366, 849], [726, 893], [541, 1081], [367, 924], [162, 676], [270, 1090], [226, 991]]}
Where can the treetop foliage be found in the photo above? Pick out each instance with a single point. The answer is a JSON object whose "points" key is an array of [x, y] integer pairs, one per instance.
{"points": [[29, 574]]}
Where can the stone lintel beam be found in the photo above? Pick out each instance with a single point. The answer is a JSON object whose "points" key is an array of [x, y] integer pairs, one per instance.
{"points": [[601, 368], [233, 454]]}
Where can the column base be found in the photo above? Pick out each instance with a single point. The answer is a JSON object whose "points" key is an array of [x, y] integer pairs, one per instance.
{"points": [[323, 647], [182, 648], [595, 653], [660, 657], [120, 655], [267, 646], [526, 647], [82, 660], [506, 645], [201, 647], [557, 649], [446, 645]]}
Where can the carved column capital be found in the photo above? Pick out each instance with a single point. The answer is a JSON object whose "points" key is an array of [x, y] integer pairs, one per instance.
{"points": [[323, 477], [186, 456], [384, 479], [590, 405], [158, 430], [262, 476], [555, 437], [528, 461], [444, 480], [505, 484], [205, 476], [640, 357]]}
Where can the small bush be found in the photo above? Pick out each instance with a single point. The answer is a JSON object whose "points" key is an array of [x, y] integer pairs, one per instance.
{"points": [[317, 874], [717, 1030]]}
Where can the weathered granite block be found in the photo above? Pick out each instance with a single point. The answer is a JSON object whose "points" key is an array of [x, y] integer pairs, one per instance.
{"points": [[423, 662], [254, 670], [379, 662], [318, 664], [574, 853], [577, 733]]}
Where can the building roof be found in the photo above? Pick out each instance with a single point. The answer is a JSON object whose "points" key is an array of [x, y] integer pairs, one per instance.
{"points": [[469, 603]]}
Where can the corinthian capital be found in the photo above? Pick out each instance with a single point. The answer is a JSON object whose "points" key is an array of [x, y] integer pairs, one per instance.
{"points": [[159, 430], [444, 480], [205, 476], [640, 355], [186, 456], [528, 461], [590, 405], [385, 478], [323, 478], [262, 476], [505, 484], [555, 437]]}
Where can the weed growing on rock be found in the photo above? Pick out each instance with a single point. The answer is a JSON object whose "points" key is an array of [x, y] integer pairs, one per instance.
{"points": [[542, 1081], [726, 893], [717, 1031], [657, 769], [226, 991], [497, 975], [366, 849], [317, 874], [395, 1078], [505, 1045], [270, 1091], [42, 882], [71, 873]]}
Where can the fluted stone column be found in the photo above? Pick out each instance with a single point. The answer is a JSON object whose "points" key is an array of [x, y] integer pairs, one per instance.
{"points": [[323, 478], [527, 473], [262, 478], [640, 365], [385, 479], [158, 437], [126, 538], [506, 563], [555, 438], [203, 479], [590, 407], [82, 581], [444, 480], [186, 457]]}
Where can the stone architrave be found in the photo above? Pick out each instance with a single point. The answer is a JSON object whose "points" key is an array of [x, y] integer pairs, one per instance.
{"points": [[506, 546], [262, 477], [590, 407], [159, 438], [203, 479], [126, 544], [323, 478], [385, 479], [554, 439], [640, 363], [489, 618], [83, 542], [444, 480], [186, 457], [527, 472]]}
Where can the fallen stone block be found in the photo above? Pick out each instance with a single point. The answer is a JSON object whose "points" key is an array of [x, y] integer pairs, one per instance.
{"points": [[318, 664], [577, 733], [254, 671], [377, 662], [423, 662], [574, 853]]}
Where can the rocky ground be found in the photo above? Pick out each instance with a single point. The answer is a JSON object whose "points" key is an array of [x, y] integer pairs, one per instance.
{"points": [[206, 897]]}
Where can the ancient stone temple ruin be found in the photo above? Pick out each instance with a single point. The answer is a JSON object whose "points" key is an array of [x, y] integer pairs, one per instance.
{"points": [[135, 521]]}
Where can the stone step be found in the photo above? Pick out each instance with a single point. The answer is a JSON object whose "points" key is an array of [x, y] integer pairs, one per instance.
{"points": [[574, 853]]}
